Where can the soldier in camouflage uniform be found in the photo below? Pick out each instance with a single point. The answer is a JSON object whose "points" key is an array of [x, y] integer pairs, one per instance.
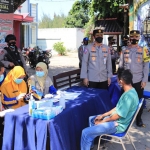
{"points": [[96, 63], [10, 56], [81, 50], [132, 58]]}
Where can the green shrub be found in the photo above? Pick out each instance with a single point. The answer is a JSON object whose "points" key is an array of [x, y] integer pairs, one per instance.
{"points": [[60, 48]]}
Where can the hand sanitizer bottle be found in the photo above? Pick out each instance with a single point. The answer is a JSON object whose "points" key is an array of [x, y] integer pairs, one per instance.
{"points": [[62, 100], [31, 105]]}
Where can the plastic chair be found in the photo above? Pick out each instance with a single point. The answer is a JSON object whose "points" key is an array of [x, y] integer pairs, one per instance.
{"points": [[120, 136], [146, 94]]}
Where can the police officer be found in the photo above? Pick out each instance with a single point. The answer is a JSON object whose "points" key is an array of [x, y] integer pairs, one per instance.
{"points": [[114, 54], [132, 58], [81, 50], [125, 42], [2, 59], [12, 54], [96, 63]]}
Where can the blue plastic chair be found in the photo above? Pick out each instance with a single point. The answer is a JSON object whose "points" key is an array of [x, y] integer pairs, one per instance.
{"points": [[146, 94], [120, 136]]}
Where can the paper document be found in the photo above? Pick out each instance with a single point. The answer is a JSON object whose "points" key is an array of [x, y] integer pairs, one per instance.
{"points": [[68, 95]]}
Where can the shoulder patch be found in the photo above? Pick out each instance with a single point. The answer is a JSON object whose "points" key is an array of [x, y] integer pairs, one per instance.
{"points": [[85, 51]]}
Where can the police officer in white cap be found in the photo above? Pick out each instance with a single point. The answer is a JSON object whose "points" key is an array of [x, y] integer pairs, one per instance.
{"points": [[132, 58], [96, 63]]}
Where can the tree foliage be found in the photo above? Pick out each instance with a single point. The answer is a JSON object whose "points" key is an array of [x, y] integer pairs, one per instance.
{"points": [[101, 9], [78, 15], [60, 48], [105, 9], [57, 21]]}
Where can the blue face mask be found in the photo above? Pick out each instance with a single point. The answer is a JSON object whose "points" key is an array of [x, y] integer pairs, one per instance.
{"points": [[18, 81], [40, 73], [1, 77]]}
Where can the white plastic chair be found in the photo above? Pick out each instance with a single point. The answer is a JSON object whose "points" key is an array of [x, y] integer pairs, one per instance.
{"points": [[120, 136]]}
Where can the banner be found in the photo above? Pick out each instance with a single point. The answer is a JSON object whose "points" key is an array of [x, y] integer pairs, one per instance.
{"points": [[6, 27], [6, 6]]}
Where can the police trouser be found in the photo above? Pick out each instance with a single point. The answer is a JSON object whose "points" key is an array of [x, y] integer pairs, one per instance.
{"points": [[1, 131], [79, 65], [139, 91], [98, 85], [113, 61]]}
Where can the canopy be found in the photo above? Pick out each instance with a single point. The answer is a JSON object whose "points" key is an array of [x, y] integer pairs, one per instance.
{"points": [[111, 26]]}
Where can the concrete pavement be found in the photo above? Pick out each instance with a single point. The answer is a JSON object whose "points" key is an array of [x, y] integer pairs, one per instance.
{"points": [[140, 136]]}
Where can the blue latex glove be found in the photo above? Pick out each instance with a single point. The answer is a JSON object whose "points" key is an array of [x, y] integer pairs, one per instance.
{"points": [[52, 90], [36, 91]]}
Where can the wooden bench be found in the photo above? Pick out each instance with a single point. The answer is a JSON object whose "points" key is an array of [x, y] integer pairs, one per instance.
{"points": [[67, 79]]}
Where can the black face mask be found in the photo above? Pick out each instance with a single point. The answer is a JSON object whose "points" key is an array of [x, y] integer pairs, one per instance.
{"points": [[12, 44], [86, 43], [99, 39], [134, 41]]}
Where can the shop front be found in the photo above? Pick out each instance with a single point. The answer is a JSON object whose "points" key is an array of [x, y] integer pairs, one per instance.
{"points": [[19, 29]]}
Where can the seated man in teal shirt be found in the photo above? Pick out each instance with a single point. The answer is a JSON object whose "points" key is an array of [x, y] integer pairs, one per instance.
{"points": [[117, 119]]}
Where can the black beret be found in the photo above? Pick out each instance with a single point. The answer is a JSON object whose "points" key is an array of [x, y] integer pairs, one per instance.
{"points": [[134, 32], [10, 37]]}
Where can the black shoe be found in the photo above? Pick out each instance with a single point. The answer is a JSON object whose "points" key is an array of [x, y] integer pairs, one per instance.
{"points": [[140, 123]]}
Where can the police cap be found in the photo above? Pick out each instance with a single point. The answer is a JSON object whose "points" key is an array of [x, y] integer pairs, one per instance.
{"points": [[125, 38], [135, 32], [98, 30]]}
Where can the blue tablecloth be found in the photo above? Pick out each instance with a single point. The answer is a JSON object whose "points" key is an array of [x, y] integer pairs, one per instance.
{"points": [[23, 132]]}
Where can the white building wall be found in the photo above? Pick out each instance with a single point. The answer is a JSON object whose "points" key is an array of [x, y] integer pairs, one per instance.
{"points": [[71, 37], [33, 25], [24, 8]]}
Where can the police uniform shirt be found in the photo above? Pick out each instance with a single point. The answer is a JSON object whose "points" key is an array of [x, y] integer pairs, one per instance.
{"points": [[2, 58], [80, 52], [132, 58], [113, 53], [96, 63]]}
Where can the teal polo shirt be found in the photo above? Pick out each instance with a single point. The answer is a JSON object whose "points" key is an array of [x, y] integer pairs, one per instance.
{"points": [[126, 107]]}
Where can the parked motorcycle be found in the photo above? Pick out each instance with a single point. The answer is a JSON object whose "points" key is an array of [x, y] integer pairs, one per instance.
{"points": [[25, 52], [37, 55], [49, 53]]}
